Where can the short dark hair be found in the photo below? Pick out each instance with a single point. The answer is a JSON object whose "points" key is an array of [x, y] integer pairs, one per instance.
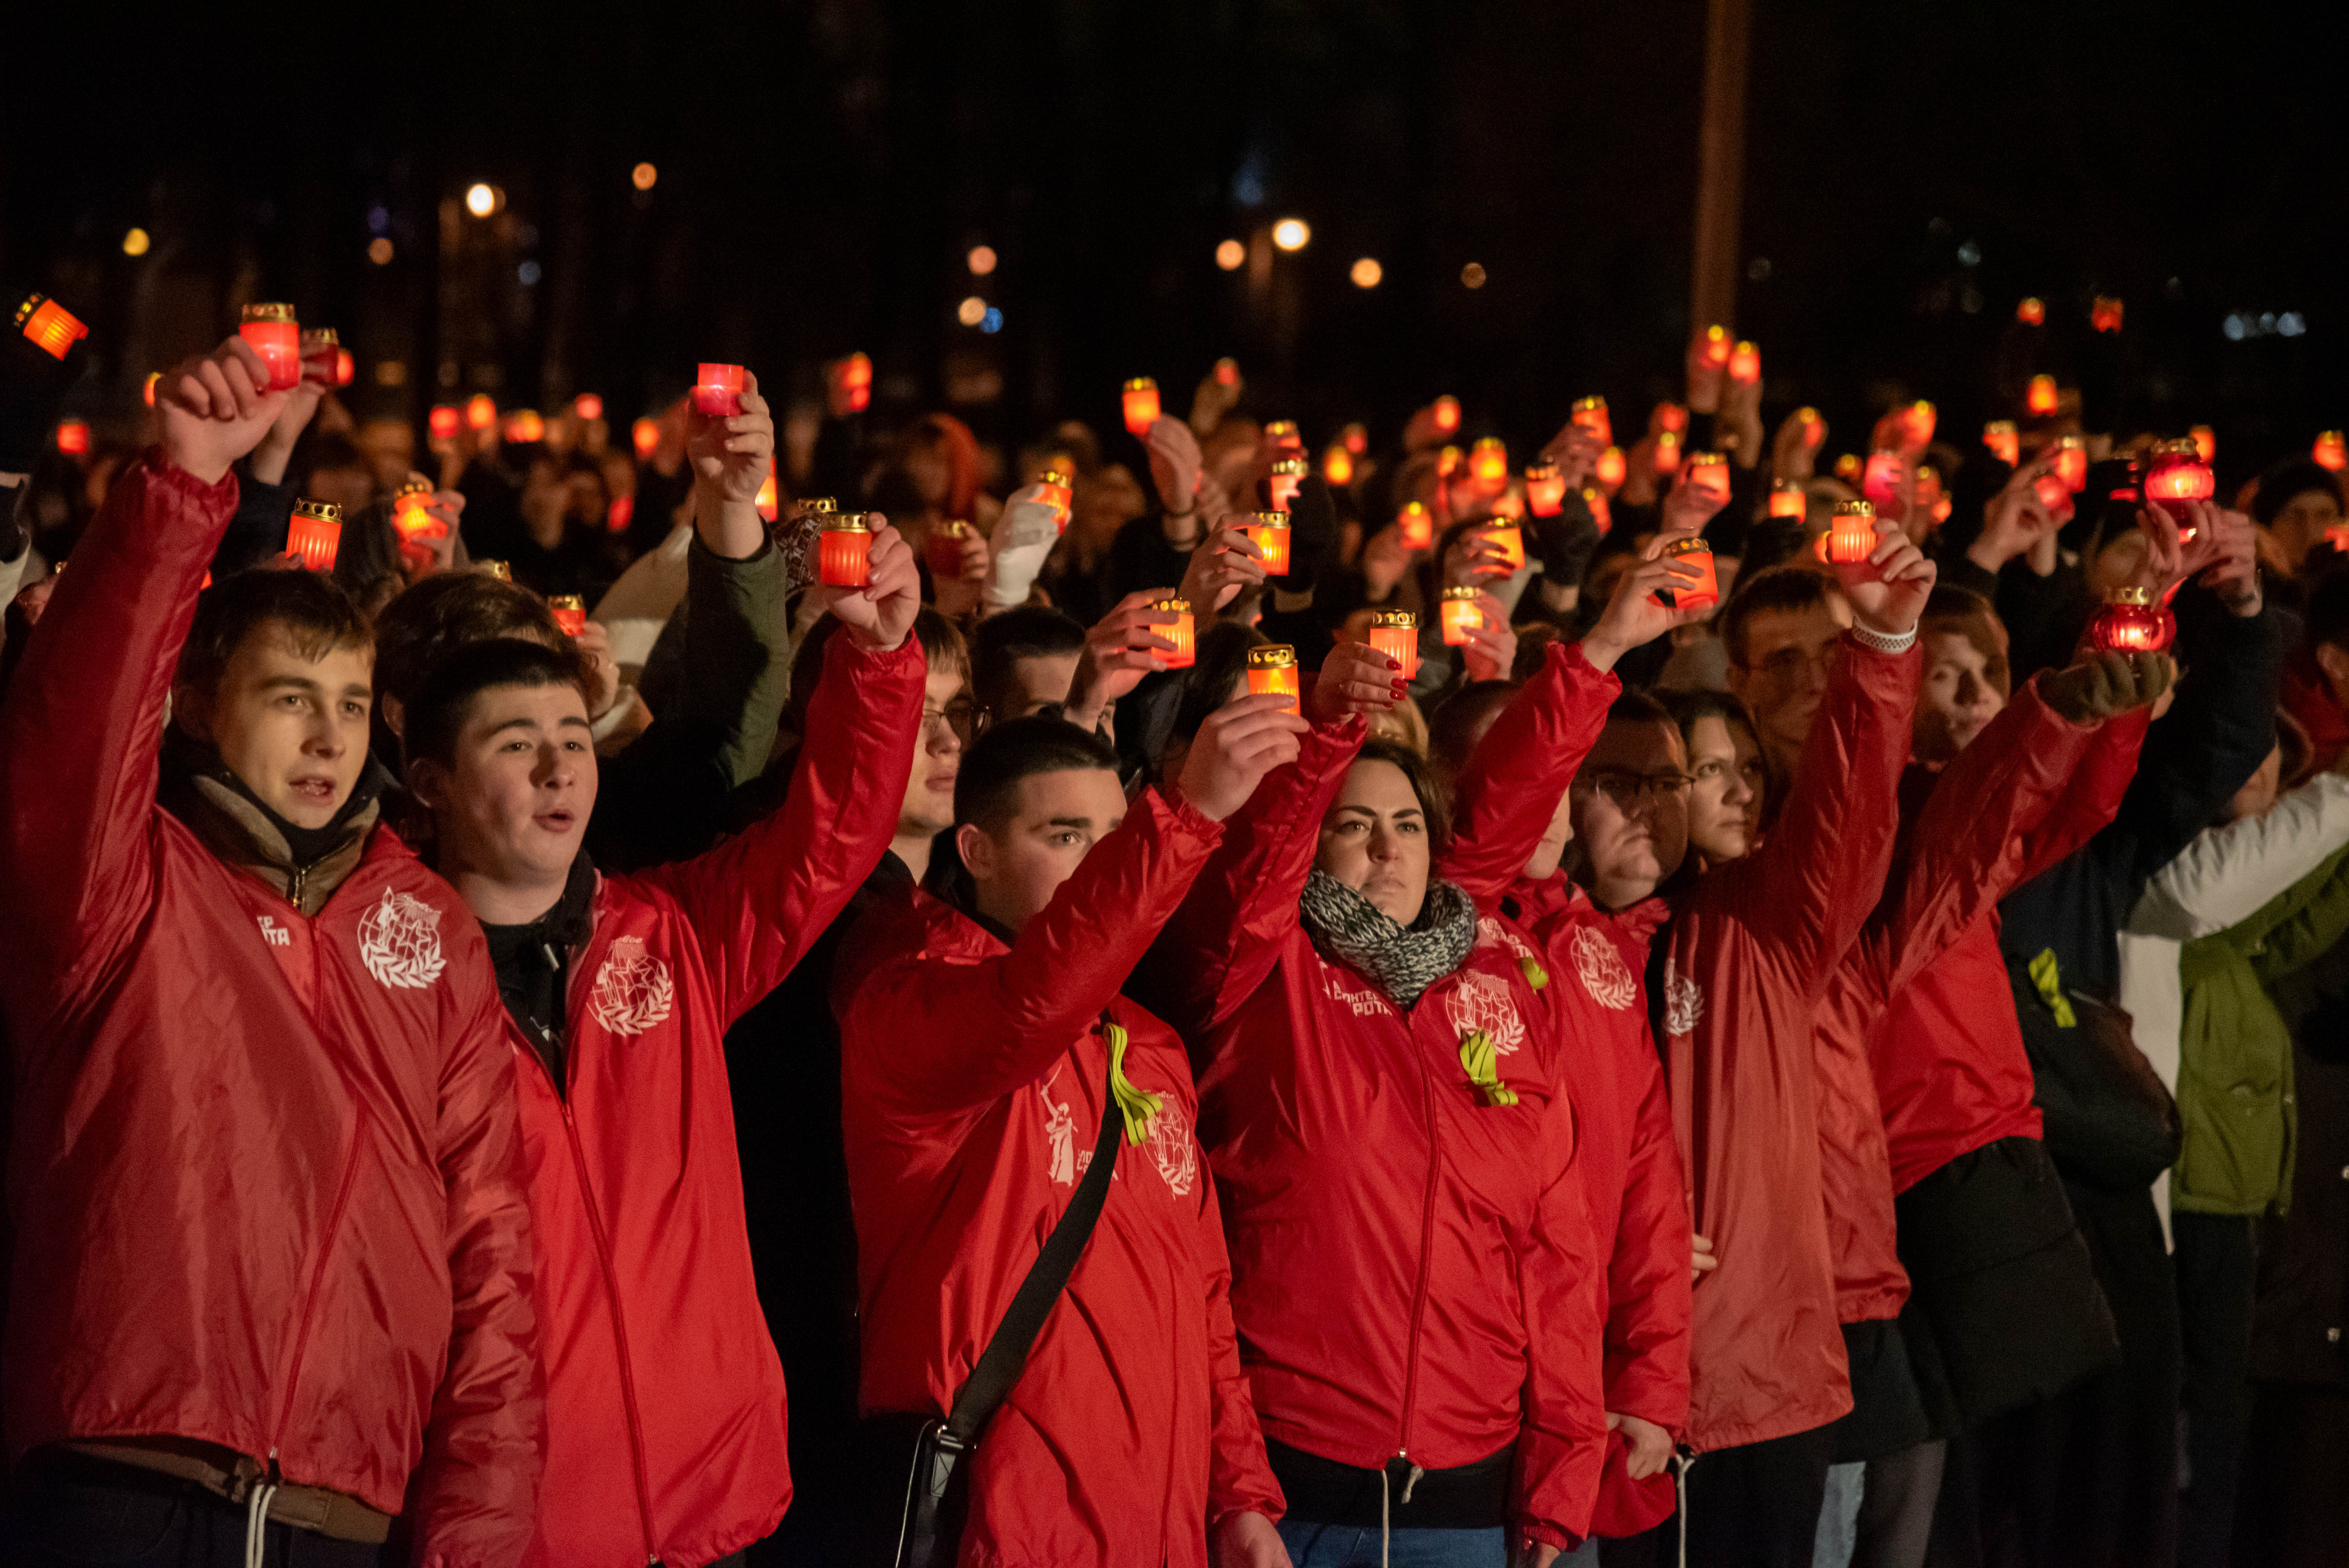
{"points": [[1460, 720], [1780, 588], [1966, 614], [2292, 476], [1687, 708], [986, 790], [436, 714], [1435, 800], [1638, 707], [452, 610], [1030, 631], [316, 614]]}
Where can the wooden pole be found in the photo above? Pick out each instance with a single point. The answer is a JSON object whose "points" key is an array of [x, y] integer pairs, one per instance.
{"points": [[1720, 166]]}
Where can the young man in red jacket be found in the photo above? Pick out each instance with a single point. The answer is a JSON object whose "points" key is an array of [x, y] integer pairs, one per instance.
{"points": [[272, 1273], [666, 1437], [984, 1041]]}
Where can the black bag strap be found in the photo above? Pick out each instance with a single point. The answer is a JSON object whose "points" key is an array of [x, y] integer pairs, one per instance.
{"points": [[1006, 1354]]}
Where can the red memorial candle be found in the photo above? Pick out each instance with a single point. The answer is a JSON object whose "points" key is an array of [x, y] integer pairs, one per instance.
{"points": [[2330, 452], [1788, 498], [277, 336], [1140, 401], [1417, 527], [412, 513], [1395, 634], [1600, 513], [480, 411], [2004, 444], [73, 436], [315, 533], [1268, 531], [1181, 631], [1511, 540], [570, 612], [587, 407], [1668, 453], [644, 435], [2072, 463], [1461, 615], [445, 420], [844, 555], [1706, 590], [1545, 490], [1590, 414], [1447, 414], [1851, 535], [1288, 476], [1745, 362], [49, 325], [2132, 623], [1338, 466], [946, 549], [717, 390], [1272, 667], [2031, 311], [2040, 397], [1488, 462], [2175, 475], [2206, 442]]}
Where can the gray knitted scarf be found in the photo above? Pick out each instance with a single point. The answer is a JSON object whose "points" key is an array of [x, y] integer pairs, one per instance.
{"points": [[1403, 960]]}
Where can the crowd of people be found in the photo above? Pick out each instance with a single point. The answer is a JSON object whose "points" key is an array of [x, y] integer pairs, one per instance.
{"points": [[797, 989]]}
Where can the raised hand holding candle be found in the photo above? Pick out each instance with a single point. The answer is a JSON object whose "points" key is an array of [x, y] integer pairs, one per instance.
{"points": [[717, 390], [1545, 490], [1461, 615], [1395, 634], [1272, 667], [1590, 414], [1851, 536], [2177, 475], [1511, 542], [412, 513], [1788, 498], [844, 550], [277, 336], [2004, 444], [570, 612], [1416, 526], [1268, 531], [2132, 623], [1181, 630], [1696, 555], [1139, 401]]}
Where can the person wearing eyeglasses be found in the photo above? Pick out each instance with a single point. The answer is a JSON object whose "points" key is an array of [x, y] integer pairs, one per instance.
{"points": [[1784, 632]]}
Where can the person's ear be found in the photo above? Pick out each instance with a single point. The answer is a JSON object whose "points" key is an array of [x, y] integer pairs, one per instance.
{"points": [[977, 851], [429, 782], [191, 710], [2333, 660], [395, 714]]}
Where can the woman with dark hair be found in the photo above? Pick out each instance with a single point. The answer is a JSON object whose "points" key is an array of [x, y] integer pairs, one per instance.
{"points": [[1416, 1283]]}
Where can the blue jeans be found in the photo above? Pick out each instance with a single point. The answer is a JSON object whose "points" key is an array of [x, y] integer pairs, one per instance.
{"points": [[1357, 1546]]}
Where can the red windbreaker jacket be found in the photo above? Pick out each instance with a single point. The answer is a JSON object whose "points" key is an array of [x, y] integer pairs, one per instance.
{"points": [[1630, 1166], [1415, 1273], [1979, 830], [973, 1082], [1946, 1050], [265, 1178], [1748, 956], [666, 1436]]}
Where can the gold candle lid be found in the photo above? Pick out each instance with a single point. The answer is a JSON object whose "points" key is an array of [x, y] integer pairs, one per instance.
{"points": [[1543, 470], [1590, 405], [820, 504], [497, 569], [1142, 383], [412, 487], [1807, 415], [323, 510], [2185, 447], [1268, 520], [1855, 509], [1928, 471], [2130, 595], [1411, 507], [1999, 427], [847, 523], [1402, 618], [1053, 477], [1173, 606], [1706, 459], [320, 337], [1691, 546], [1294, 467], [2071, 443], [1783, 486], [954, 528], [269, 312], [567, 602], [1271, 656], [1279, 429], [1592, 494], [1453, 595]]}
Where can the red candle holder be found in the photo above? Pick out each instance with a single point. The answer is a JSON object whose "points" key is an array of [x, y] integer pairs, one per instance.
{"points": [[1668, 453], [1055, 483], [1847, 467], [2004, 444], [315, 533], [2049, 488], [1281, 435], [1512, 542], [322, 350], [1416, 526], [73, 438], [1268, 531], [1815, 430], [1182, 632], [587, 407], [2040, 397], [844, 552], [524, 426], [645, 436], [1272, 667], [277, 336], [1356, 438], [1600, 512], [1789, 500], [619, 514], [570, 612], [1880, 483], [1746, 362], [768, 500], [2105, 315], [1140, 400], [445, 420], [1447, 414], [1717, 347], [2206, 441], [1282, 485], [481, 411], [1337, 466], [1488, 462], [1448, 462], [1707, 471], [412, 513], [1706, 590], [1672, 417], [855, 374], [2072, 463], [2031, 311], [944, 551], [1395, 634], [1459, 615], [1227, 371], [1611, 469], [1931, 499], [1917, 422], [1590, 414], [1851, 534], [2331, 451], [1545, 490], [717, 390], [2133, 622], [2174, 476], [49, 325]]}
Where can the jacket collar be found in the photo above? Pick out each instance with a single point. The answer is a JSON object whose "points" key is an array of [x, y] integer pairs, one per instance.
{"points": [[304, 865]]}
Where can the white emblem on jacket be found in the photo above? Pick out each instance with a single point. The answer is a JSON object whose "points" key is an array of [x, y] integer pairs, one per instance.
{"points": [[633, 991], [1683, 1002], [1061, 1127], [1173, 1147], [1491, 932], [274, 934], [399, 942], [1602, 970], [1482, 1001], [1365, 1004]]}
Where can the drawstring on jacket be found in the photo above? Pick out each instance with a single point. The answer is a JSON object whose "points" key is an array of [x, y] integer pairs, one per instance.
{"points": [[1386, 1527], [256, 1521]]}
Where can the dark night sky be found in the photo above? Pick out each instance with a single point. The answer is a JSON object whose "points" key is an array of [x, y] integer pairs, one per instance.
{"points": [[824, 165]]}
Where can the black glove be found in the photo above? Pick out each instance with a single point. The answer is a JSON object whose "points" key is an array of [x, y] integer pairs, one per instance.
{"points": [[2103, 685], [1564, 544], [33, 384], [1312, 536]]}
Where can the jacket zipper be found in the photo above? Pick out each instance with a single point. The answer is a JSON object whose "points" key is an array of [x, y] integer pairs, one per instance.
{"points": [[611, 1293], [310, 1296], [1426, 1247]]}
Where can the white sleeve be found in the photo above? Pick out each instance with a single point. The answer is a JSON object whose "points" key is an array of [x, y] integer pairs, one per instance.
{"points": [[2227, 873]]}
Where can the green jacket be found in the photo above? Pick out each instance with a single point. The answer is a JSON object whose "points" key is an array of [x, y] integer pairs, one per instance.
{"points": [[2234, 1074]]}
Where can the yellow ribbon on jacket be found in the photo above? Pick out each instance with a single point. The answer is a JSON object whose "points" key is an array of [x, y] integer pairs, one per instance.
{"points": [[1535, 975], [1139, 1107], [2050, 981], [1483, 1066]]}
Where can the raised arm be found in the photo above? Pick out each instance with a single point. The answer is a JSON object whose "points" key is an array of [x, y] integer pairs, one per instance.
{"points": [[2212, 738], [2229, 873], [1503, 798], [957, 1035], [82, 727], [474, 1495]]}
